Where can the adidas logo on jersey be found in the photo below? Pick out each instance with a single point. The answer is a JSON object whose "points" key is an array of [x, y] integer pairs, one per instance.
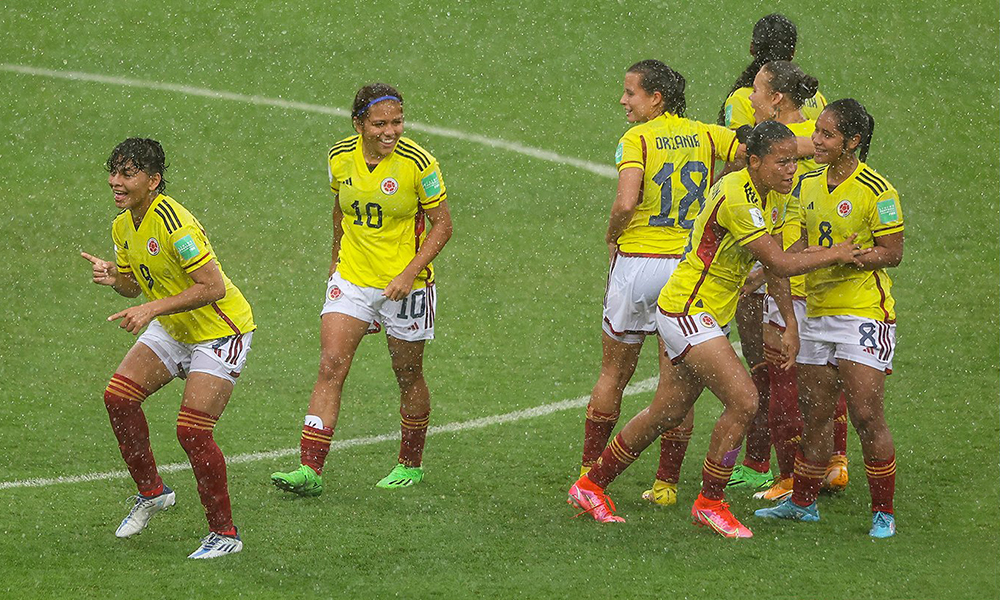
{"points": [[347, 181]]}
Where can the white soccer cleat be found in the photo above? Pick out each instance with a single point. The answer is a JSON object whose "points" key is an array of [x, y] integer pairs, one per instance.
{"points": [[143, 510], [214, 545]]}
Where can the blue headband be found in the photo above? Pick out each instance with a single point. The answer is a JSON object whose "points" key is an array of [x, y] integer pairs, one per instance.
{"points": [[376, 101]]}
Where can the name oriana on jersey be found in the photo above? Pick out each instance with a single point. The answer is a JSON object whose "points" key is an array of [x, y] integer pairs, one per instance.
{"points": [[676, 142]]}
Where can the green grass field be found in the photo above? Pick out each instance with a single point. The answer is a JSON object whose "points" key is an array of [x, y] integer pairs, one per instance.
{"points": [[520, 288]]}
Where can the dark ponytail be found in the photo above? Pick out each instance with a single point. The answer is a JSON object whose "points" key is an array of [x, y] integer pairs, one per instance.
{"points": [[658, 77], [788, 78], [774, 38], [852, 120]]}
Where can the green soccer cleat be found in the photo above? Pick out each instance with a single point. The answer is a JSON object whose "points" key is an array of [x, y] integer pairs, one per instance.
{"points": [[302, 481], [745, 477], [401, 476]]}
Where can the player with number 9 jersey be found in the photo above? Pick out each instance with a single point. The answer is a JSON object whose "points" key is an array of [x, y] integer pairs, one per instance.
{"points": [[160, 253], [383, 210]]}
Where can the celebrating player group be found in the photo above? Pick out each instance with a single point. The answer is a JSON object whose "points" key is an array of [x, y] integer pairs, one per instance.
{"points": [[796, 200], [770, 219]]}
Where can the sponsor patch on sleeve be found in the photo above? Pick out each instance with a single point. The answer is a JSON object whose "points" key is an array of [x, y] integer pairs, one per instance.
{"points": [[887, 211], [729, 115], [432, 184], [756, 216], [619, 153], [186, 247]]}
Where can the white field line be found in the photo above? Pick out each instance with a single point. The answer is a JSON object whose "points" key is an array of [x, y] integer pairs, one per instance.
{"points": [[596, 168], [645, 385]]}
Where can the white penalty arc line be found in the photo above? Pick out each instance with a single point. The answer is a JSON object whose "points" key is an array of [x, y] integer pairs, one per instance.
{"points": [[596, 168], [639, 387]]}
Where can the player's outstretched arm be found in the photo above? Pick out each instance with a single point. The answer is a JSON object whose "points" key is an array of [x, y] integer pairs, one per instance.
{"points": [[209, 287], [437, 237], [786, 264], [106, 273]]}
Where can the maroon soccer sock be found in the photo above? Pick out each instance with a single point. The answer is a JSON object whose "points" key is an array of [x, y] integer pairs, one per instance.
{"points": [[758, 445], [123, 399], [808, 479], [673, 447], [413, 429], [596, 433], [881, 482], [715, 475], [194, 432], [786, 418], [612, 462], [840, 426], [314, 445]]}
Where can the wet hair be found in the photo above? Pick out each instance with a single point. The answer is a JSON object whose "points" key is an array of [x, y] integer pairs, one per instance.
{"points": [[658, 77], [852, 120], [143, 154], [765, 135], [790, 80], [774, 38], [372, 94]]}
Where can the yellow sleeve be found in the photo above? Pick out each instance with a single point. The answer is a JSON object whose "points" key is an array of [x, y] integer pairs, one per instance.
{"points": [[334, 184], [430, 187], [190, 246], [886, 217], [744, 221], [739, 112], [725, 142], [629, 154], [121, 260], [791, 230]]}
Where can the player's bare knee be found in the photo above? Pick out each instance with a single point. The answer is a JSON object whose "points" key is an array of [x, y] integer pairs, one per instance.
{"points": [[333, 368], [408, 375]]}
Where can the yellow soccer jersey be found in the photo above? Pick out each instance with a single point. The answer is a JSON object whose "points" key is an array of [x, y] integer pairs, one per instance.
{"points": [[168, 244], [383, 210], [715, 263], [865, 204], [739, 111], [791, 232], [677, 156]]}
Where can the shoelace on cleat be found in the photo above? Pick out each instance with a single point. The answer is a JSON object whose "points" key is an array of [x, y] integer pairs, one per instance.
{"points": [[606, 503]]}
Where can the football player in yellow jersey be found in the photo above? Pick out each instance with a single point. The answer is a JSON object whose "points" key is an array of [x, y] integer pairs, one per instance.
{"points": [[774, 38], [779, 92], [694, 310], [385, 185], [199, 328], [665, 164], [848, 336]]}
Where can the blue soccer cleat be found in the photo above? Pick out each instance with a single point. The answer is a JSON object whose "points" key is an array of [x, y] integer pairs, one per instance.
{"points": [[787, 509], [883, 525]]}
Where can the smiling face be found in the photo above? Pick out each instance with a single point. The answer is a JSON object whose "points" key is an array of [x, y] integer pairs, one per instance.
{"points": [[132, 187], [831, 145], [776, 169], [640, 106], [380, 127]]}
